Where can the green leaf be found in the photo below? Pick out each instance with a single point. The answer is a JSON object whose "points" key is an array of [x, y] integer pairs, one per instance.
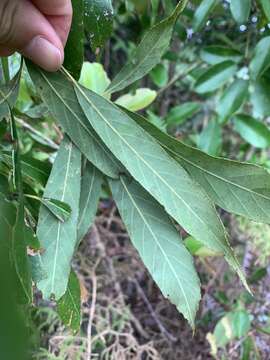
{"points": [[240, 10], [202, 13], [12, 231], [58, 208], [59, 239], [213, 78], [148, 53], [90, 195], [215, 54], [261, 58], [157, 172], [260, 98], [254, 132], [58, 94], [210, 140], [232, 99], [37, 269], [140, 100], [266, 8], [179, 114], [159, 245], [18, 237], [237, 187], [74, 50], [94, 77], [9, 94], [98, 21], [159, 75], [69, 306], [197, 249]]}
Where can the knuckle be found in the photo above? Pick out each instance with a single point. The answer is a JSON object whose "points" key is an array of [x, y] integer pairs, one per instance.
{"points": [[8, 11]]}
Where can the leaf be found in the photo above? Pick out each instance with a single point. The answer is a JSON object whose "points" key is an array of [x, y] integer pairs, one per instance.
{"points": [[266, 8], [239, 188], [261, 58], [18, 237], [58, 94], [197, 249], [159, 75], [58, 208], [157, 172], [179, 114], [98, 20], [12, 231], [59, 239], [90, 195], [140, 100], [210, 140], [74, 50], [159, 245], [202, 13], [215, 54], [69, 306], [148, 53], [232, 99], [260, 98], [215, 77], [9, 94], [240, 10], [37, 269], [254, 132], [94, 77]]}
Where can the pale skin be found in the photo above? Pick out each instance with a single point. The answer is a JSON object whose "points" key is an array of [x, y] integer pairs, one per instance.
{"points": [[38, 29]]}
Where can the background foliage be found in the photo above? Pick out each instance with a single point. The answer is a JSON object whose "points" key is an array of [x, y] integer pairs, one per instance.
{"points": [[66, 144]]}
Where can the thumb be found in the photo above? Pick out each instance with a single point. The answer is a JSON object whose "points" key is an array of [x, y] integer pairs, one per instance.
{"points": [[23, 28]]}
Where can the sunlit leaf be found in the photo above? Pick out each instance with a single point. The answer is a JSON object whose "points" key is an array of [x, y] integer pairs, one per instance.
{"points": [[240, 10], [148, 53], [202, 13], [140, 100], [261, 58]]}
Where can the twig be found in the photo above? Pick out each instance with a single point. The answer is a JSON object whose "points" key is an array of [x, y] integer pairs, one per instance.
{"points": [[92, 312], [152, 312]]}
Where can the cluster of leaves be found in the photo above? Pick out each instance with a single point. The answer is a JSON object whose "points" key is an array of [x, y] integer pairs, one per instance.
{"points": [[155, 180]]}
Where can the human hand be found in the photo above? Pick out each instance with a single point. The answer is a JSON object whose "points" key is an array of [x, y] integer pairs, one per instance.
{"points": [[38, 29]]}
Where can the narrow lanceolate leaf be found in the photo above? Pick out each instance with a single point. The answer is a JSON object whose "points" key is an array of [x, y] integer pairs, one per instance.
{"points": [[232, 99], [240, 10], [253, 131], [18, 237], [74, 50], [9, 94], [261, 58], [202, 13], [266, 8], [59, 239], [156, 171], [237, 187], [58, 94], [90, 194], [215, 77], [69, 306], [58, 208], [148, 53], [159, 245], [260, 98], [98, 21]]}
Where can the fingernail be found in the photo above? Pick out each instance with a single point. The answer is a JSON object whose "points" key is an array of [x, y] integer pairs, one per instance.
{"points": [[44, 54]]}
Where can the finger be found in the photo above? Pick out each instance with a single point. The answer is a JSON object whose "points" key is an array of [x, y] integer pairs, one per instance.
{"points": [[24, 28], [59, 14], [4, 52]]}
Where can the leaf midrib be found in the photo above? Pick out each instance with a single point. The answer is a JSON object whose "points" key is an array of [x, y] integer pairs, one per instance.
{"points": [[213, 174], [153, 170], [159, 245], [59, 222]]}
